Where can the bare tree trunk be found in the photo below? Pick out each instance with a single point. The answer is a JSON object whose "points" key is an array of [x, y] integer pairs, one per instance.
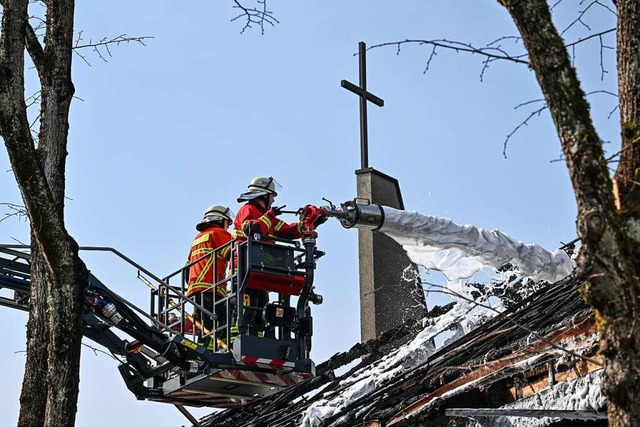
{"points": [[65, 305], [606, 262], [627, 177], [40, 175], [64, 297], [33, 398]]}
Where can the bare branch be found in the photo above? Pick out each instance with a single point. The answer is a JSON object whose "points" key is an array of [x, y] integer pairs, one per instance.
{"points": [[555, 4], [97, 350], [579, 19], [613, 157], [603, 46], [101, 47], [255, 16], [590, 36], [582, 13], [17, 211], [35, 49], [629, 147], [33, 99], [490, 51], [431, 56], [34, 130], [493, 51], [606, 92], [40, 22], [525, 122], [533, 101], [498, 40]]}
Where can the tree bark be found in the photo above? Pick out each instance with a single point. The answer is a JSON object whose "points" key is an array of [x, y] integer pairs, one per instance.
{"points": [[40, 175], [606, 262], [65, 296], [33, 397], [627, 177]]}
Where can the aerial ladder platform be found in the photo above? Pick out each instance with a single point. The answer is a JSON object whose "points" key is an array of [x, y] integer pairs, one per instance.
{"points": [[168, 355]]}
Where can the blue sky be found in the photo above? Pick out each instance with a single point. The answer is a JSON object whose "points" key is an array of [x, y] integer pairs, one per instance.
{"points": [[163, 131]]}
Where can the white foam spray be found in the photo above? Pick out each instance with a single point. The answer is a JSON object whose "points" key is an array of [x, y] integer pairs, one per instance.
{"points": [[461, 250], [458, 251]]}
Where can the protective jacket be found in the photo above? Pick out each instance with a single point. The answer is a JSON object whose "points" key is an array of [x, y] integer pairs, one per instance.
{"points": [[201, 273], [254, 217], [251, 214]]}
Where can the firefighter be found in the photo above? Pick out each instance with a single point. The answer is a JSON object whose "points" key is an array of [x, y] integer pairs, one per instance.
{"points": [[258, 215], [212, 235]]}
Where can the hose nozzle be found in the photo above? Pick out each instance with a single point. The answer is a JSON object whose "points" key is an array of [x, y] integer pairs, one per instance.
{"points": [[358, 213]]}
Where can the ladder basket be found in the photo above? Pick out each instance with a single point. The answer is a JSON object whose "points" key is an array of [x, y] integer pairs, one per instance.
{"points": [[271, 267]]}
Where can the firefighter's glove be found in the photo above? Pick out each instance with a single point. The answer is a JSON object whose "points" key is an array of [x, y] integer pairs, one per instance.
{"points": [[251, 229], [320, 220], [275, 211]]}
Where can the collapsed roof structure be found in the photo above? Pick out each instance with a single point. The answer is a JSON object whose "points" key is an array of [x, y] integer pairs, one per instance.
{"points": [[536, 363]]}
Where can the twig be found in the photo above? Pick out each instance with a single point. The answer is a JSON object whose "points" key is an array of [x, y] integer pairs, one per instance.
{"points": [[97, 350], [19, 211], [104, 44], [582, 13], [489, 51], [255, 15], [525, 122]]}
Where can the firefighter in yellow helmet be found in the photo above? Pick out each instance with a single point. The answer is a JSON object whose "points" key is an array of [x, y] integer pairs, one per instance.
{"points": [[210, 271], [258, 215]]}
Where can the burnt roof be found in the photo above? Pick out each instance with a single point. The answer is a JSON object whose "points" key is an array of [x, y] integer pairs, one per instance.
{"points": [[481, 358]]}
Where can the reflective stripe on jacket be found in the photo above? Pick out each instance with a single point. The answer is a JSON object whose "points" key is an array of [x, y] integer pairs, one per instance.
{"points": [[201, 273], [251, 213]]}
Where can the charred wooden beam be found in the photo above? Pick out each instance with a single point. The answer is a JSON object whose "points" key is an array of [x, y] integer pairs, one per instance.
{"points": [[518, 412]]}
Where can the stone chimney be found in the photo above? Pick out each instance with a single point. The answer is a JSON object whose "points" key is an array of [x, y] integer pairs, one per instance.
{"points": [[386, 300]]}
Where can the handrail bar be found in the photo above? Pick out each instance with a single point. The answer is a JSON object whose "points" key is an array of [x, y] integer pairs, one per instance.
{"points": [[97, 248], [181, 295], [145, 271], [8, 249], [122, 256], [165, 282], [181, 269]]}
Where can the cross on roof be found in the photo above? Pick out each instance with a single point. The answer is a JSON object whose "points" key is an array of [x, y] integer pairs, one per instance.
{"points": [[365, 96]]}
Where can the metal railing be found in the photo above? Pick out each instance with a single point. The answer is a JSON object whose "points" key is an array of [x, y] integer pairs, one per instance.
{"points": [[185, 314], [173, 311]]}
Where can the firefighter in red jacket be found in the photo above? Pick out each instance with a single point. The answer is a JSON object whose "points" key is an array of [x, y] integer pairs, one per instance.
{"points": [[258, 215], [212, 235]]}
